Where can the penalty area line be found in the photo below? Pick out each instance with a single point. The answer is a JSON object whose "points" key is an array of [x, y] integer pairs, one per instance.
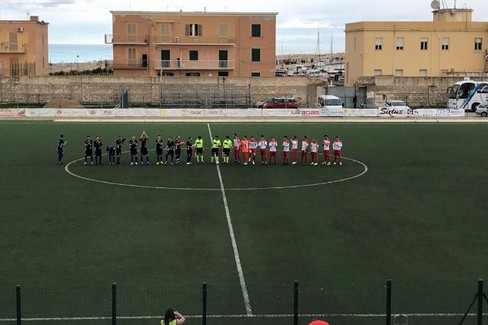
{"points": [[237, 259]]}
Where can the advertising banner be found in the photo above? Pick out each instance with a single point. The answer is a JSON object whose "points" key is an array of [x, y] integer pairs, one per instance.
{"points": [[12, 112], [40, 112], [392, 112]]}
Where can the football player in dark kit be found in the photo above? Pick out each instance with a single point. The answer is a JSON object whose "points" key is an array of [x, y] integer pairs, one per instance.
{"points": [[178, 150], [118, 148], [61, 144], [143, 149], [98, 150], [189, 150], [88, 150], [111, 154], [133, 150], [170, 150], [159, 150]]}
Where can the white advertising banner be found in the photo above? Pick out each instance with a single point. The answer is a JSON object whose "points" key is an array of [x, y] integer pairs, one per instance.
{"points": [[100, 112], [40, 112], [389, 111], [12, 112], [71, 112], [331, 112], [356, 112]]}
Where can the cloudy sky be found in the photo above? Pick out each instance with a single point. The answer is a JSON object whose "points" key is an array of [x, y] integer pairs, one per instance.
{"points": [[298, 24]]}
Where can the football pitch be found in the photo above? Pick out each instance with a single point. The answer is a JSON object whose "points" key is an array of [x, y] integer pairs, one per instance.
{"points": [[409, 204]]}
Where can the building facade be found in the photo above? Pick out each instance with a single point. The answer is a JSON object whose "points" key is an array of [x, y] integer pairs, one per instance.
{"points": [[451, 44], [24, 48], [203, 44]]}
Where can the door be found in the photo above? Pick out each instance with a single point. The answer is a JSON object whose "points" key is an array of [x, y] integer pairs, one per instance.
{"points": [[165, 57], [223, 57], [12, 39]]}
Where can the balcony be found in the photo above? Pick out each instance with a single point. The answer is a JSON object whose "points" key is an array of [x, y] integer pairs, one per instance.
{"points": [[127, 39], [131, 65], [13, 48], [195, 65]]}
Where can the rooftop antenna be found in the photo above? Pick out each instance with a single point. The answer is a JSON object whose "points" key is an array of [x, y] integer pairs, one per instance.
{"points": [[317, 50], [435, 4]]}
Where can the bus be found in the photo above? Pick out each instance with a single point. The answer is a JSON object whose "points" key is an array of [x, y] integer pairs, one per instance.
{"points": [[468, 94]]}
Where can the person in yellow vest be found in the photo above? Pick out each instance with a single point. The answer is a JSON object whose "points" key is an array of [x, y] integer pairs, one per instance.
{"points": [[172, 317], [199, 149], [216, 144], [226, 146]]}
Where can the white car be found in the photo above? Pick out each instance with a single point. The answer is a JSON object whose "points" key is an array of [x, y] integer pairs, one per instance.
{"points": [[482, 110], [397, 104]]}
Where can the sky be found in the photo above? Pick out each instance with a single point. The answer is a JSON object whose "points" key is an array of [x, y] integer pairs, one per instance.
{"points": [[303, 26]]}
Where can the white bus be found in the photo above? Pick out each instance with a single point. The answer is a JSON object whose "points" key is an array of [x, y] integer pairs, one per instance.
{"points": [[468, 94]]}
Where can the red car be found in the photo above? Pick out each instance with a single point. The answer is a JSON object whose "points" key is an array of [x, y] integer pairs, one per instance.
{"points": [[281, 102]]}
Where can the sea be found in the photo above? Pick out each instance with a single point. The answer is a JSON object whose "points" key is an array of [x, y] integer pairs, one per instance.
{"points": [[71, 53]]}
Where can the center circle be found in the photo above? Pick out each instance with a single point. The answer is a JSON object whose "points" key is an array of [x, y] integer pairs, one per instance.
{"points": [[175, 188]]}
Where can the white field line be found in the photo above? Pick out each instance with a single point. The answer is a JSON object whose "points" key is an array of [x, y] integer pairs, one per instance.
{"points": [[88, 318], [242, 280]]}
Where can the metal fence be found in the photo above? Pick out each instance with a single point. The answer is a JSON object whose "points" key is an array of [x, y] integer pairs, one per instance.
{"points": [[222, 303]]}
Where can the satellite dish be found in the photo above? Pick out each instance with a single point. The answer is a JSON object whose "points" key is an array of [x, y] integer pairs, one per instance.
{"points": [[435, 4]]}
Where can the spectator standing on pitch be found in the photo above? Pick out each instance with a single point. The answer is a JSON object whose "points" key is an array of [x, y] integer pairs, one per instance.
{"points": [[286, 150], [304, 150], [216, 143], [98, 150], [88, 149], [263, 145], [111, 154], [314, 152], [189, 150], [294, 149], [273, 147], [133, 150], [337, 147], [118, 148], [178, 144], [253, 144], [170, 151], [61, 144], [199, 149], [172, 317], [326, 144], [143, 149], [236, 147], [159, 150], [226, 145], [245, 149]]}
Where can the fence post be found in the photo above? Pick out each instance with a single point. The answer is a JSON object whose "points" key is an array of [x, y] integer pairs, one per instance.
{"points": [[204, 303], [480, 302], [295, 302], [19, 304], [388, 302], [114, 303]]}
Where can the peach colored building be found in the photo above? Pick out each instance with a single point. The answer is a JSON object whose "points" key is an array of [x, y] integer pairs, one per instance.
{"points": [[451, 44], [23, 47], [207, 44]]}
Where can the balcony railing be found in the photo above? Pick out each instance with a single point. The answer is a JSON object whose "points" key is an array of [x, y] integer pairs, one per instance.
{"points": [[195, 65], [131, 65], [127, 39], [6, 47]]}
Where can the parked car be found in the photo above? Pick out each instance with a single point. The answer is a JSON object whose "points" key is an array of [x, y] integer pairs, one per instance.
{"points": [[482, 110], [329, 101], [260, 103], [397, 104], [281, 102]]}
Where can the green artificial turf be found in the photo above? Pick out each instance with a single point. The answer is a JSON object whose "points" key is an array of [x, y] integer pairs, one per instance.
{"points": [[417, 217]]}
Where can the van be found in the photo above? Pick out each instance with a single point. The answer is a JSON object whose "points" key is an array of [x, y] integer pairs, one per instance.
{"points": [[329, 101]]}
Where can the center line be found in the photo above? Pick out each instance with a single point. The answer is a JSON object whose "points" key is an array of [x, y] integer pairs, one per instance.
{"points": [[245, 294]]}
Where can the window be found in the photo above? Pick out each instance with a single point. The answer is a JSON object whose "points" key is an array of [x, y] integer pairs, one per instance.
{"points": [[131, 55], [445, 43], [223, 73], [400, 43], [192, 74], [255, 74], [256, 55], [423, 72], [164, 31], [193, 56], [193, 30], [131, 32], [378, 72], [255, 30], [478, 44], [398, 72], [223, 30], [424, 44], [378, 44]]}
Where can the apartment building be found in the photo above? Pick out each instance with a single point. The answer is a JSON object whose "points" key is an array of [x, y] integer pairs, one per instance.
{"points": [[451, 44], [206, 44], [23, 48]]}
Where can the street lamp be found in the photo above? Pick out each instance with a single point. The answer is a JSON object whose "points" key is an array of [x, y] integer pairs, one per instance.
{"points": [[77, 66]]}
